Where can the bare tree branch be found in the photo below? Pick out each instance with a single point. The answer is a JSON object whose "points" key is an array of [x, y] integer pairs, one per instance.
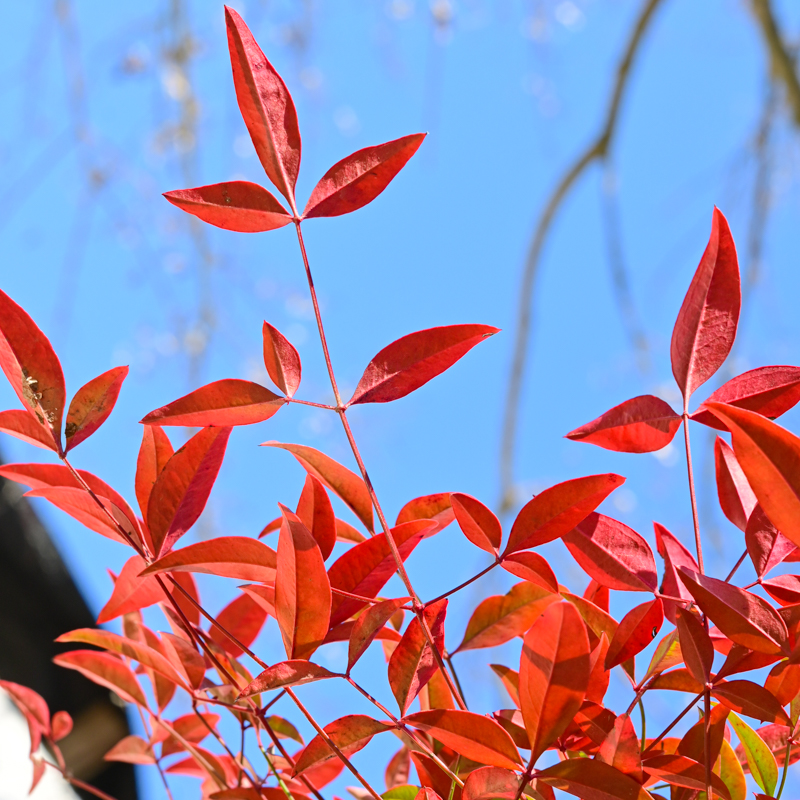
{"points": [[597, 149]]}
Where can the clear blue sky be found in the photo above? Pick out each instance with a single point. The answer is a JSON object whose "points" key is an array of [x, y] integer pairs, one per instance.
{"points": [[509, 94]]}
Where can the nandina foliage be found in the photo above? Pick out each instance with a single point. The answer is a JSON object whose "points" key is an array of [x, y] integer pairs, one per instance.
{"points": [[733, 652]]}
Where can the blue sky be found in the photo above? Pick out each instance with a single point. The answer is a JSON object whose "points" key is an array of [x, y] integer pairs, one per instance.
{"points": [[509, 93]]}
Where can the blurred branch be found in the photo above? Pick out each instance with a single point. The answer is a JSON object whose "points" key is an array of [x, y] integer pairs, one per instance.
{"points": [[597, 149]]}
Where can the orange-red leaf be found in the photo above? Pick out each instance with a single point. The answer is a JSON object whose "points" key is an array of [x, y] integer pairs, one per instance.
{"points": [[621, 749], [359, 178], [131, 592], [679, 770], [641, 425], [346, 484], [491, 783], [477, 522], [696, 647], [590, 779], [554, 673], [510, 680], [235, 206], [131, 750], [636, 631], [302, 590], [24, 425], [244, 618], [675, 555], [105, 669], [413, 360], [558, 510], [281, 360], [266, 106], [706, 324], [766, 545], [736, 498], [286, 673], [368, 625], [92, 405], [219, 404], [531, 567], [181, 491], [750, 699], [436, 507], [316, 512], [474, 736], [33, 707], [154, 453]]}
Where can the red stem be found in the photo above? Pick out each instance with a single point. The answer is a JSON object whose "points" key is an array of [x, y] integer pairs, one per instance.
{"points": [[692, 495], [466, 583]]}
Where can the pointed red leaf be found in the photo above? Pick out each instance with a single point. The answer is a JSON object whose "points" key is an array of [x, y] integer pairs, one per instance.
{"points": [[554, 673], [783, 682], [350, 734], [641, 425], [679, 770], [736, 498], [281, 360], [131, 592], [92, 405], [286, 673], [266, 107], [491, 783], [62, 725], [675, 555], [499, 619], [345, 532], [340, 480], [784, 588], [597, 620], [531, 567], [181, 491], [154, 453], [367, 626], [750, 699], [477, 522], [105, 669], [436, 783], [600, 676], [510, 680], [766, 545], [770, 459], [263, 595], [557, 510], [235, 206], [636, 631], [220, 404], [613, 554], [474, 736], [31, 366], [621, 749], [359, 178], [413, 663], [590, 779], [742, 616], [316, 512], [237, 557], [366, 568], [770, 391], [23, 425], [696, 647], [244, 618], [33, 707], [398, 769], [302, 591], [413, 360], [706, 324], [131, 750], [436, 507]]}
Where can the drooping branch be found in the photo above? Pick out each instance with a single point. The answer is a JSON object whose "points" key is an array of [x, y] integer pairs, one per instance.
{"points": [[597, 149]]}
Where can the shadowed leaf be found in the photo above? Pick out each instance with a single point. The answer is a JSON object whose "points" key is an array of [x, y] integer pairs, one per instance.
{"points": [[281, 360]]}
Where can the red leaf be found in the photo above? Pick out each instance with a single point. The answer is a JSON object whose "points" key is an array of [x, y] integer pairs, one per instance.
{"points": [[244, 618], [436, 507], [227, 556], [736, 498], [600, 676], [636, 631], [597, 620], [621, 749], [286, 673], [477, 522], [510, 679], [350, 734], [499, 619], [531, 567], [742, 616], [436, 783], [180, 492], [366, 568], [367, 626], [706, 324], [184, 658], [613, 554], [766, 546], [219, 404], [62, 725], [592, 780], [23, 425], [399, 768], [770, 391], [154, 453], [316, 512], [361, 177], [696, 647], [131, 750], [554, 674], [302, 591], [783, 682], [558, 510], [491, 783], [675, 555], [476, 737], [785, 589], [750, 699], [413, 663], [31, 366], [413, 360], [281, 360], [263, 595], [33, 707], [105, 669], [235, 206], [679, 770], [770, 458], [340, 480], [92, 405], [641, 425], [677, 680], [131, 592], [266, 107]]}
